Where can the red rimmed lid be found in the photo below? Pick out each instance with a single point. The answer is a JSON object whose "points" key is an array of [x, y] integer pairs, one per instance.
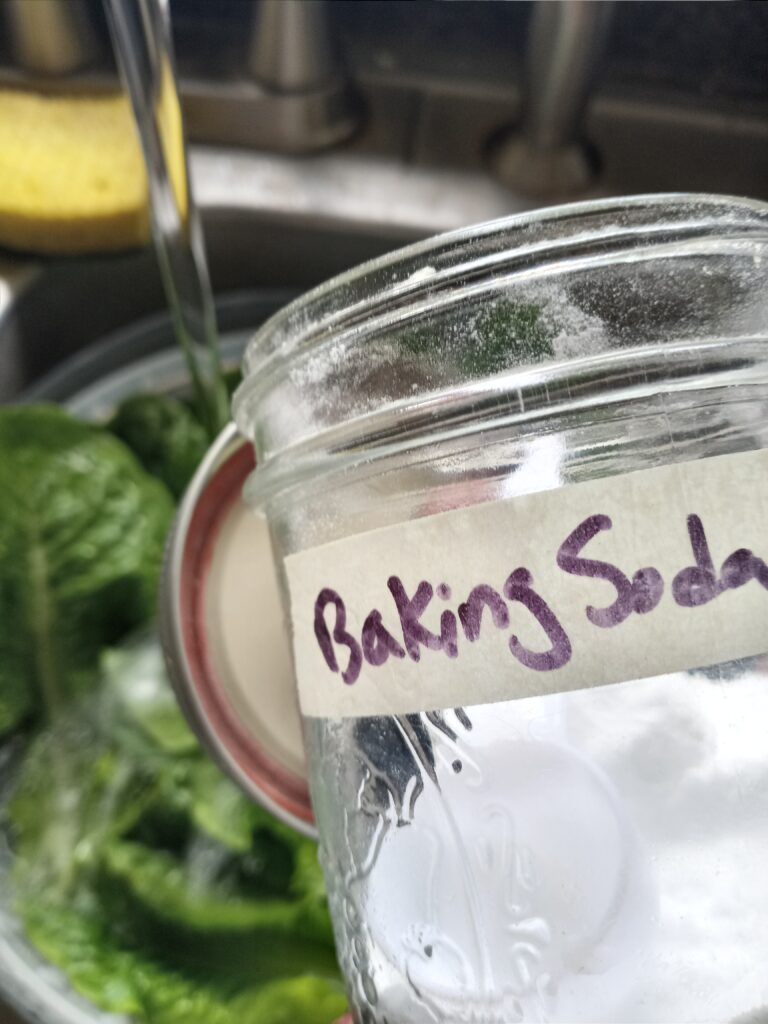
{"points": [[225, 636]]}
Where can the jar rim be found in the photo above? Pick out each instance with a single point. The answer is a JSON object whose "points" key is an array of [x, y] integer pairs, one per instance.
{"points": [[435, 277], [307, 317]]}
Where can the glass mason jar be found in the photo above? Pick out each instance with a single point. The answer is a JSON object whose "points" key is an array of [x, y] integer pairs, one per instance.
{"points": [[536, 737]]}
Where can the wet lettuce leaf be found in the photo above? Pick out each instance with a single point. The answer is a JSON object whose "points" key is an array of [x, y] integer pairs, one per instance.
{"points": [[82, 529], [77, 943], [189, 893], [124, 980], [165, 435], [151, 880], [305, 1000], [134, 676], [222, 811], [169, 909], [139, 870], [72, 795]]}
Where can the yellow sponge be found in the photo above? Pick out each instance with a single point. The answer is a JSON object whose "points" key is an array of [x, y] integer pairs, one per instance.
{"points": [[72, 178]]}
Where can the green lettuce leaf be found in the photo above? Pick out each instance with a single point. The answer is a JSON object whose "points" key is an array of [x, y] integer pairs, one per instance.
{"points": [[72, 796], [82, 529], [117, 979], [209, 891], [135, 676], [125, 980], [308, 887], [167, 886], [221, 810], [304, 1000], [151, 880], [187, 914], [165, 436]]}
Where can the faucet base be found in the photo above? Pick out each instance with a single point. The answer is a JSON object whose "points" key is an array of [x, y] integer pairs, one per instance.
{"points": [[542, 173], [244, 113]]}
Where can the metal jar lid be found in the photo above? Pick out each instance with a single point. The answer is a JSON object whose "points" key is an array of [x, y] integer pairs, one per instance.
{"points": [[225, 638]]}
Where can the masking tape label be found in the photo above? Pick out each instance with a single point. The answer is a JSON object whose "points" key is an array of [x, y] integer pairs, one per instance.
{"points": [[620, 578]]}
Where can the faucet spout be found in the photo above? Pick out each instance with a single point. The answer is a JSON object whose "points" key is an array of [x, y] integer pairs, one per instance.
{"points": [[291, 49]]}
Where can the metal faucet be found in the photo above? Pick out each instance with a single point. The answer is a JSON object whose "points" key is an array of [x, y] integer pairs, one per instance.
{"points": [[297, 98], [291, 49], [50, 37], [292, 95], [547, 154]]}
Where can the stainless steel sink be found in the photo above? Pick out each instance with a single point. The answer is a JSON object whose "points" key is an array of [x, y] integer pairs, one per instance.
{"points": [[51, 309], [271, 223], [681, 105]]}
